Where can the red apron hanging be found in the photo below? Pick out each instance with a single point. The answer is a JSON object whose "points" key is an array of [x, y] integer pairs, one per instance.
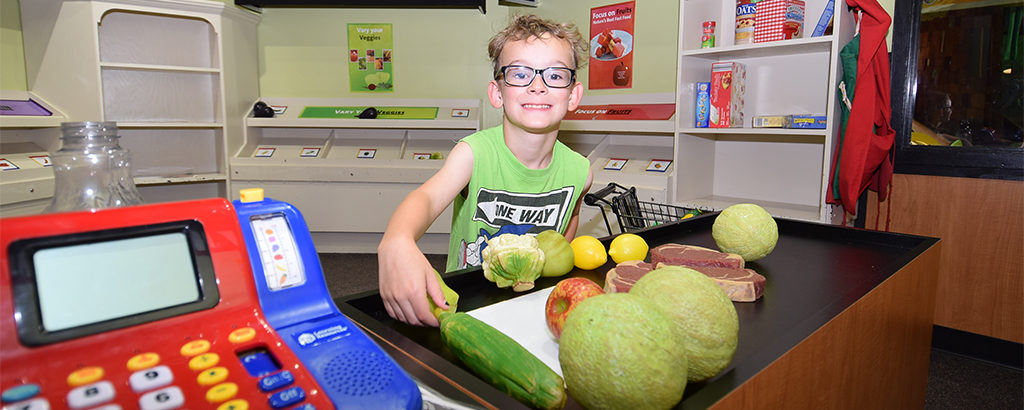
{"points": [[865, 157]]}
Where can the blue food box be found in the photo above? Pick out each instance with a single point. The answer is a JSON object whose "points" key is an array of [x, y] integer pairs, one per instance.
{"points": [[703, 107], [808, 121]]}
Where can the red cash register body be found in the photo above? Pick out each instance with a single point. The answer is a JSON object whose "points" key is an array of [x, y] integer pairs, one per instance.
{"points": [[202, 351]]}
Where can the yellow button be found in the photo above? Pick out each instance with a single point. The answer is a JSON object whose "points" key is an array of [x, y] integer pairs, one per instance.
{"points": [[143, 361], [195, 347], [221, 392], [242, 335], [85, 375], [203, 361], [251, 195], [212, 376], [236, 404]]}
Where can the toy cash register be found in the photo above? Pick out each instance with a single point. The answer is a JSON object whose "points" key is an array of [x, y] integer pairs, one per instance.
{"points": [[354, 372], [150, 307]]}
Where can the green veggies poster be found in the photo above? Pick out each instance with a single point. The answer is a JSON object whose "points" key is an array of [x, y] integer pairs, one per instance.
{"points": [[370, 52]]}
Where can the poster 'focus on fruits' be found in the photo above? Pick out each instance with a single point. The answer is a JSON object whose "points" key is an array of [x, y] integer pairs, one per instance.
{"points": [[611, 46], [370, 52]]}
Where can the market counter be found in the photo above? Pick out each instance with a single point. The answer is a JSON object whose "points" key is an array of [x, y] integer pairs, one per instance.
{"points": [[845, 322]]}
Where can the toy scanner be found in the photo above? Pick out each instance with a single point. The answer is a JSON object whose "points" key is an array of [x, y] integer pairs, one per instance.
{"points": [[157, 307]]}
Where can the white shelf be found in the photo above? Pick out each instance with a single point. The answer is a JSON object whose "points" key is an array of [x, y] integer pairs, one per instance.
{"points": [[157, 180], [781, 47], [776, 209], [756, 131], [782, 169], [156, 68], [151, 67]]}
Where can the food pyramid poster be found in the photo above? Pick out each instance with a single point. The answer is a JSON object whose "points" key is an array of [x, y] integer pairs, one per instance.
{"points": [[370, 48], [611, 46]]}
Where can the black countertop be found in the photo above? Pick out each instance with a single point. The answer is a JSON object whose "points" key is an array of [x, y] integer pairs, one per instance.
{"points": [[815, 272]]}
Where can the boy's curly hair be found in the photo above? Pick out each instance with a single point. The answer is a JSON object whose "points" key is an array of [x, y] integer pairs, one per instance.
{"points": [[525, 26]]}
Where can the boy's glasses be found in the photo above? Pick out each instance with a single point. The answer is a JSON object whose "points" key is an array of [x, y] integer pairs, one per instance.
{"points": [[522, 76]]}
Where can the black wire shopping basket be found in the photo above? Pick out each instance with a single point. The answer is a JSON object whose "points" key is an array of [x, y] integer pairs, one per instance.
{"points": [[632, 214]]}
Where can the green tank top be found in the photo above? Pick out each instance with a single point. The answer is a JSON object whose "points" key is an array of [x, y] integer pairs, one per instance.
{"points": [[504, 196]]}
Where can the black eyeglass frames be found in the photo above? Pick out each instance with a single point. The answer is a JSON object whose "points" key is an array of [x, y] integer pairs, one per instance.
{"points": [[522, 76]]}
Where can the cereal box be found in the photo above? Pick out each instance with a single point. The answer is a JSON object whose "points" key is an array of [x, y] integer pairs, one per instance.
{"points": [[778, 20], [746, 10], [728, 83], [703, 106]]}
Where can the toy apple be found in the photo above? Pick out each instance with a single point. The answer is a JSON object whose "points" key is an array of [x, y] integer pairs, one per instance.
{"points": [[563, 299]]}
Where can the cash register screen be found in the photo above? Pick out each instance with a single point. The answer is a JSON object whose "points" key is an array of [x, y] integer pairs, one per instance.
{"points": [[114, 278], [98, 281]]}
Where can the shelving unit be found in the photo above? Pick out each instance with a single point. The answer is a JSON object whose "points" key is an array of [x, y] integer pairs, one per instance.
{"points": [[637, 142], [321, 165], [783, 170], [157, 68], [25, 142]]}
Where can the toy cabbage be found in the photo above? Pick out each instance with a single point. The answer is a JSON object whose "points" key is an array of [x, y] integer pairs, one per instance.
{"points": [[513, 260]]}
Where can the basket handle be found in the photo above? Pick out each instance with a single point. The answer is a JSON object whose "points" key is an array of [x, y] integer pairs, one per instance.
{"points": [[592, 198]]}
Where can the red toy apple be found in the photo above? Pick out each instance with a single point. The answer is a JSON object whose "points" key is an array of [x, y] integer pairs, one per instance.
{"points": [[563, 299]]}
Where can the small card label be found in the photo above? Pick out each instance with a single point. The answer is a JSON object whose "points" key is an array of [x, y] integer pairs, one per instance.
{"points": [[659, 165], [6, 165], [366, 153], [615, 164], [421, 155], [460, 113], [43, 160], [308, 152], [264, 152]]}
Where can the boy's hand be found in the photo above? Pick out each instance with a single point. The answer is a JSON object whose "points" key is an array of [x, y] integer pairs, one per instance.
{"points": [[406, 279]]}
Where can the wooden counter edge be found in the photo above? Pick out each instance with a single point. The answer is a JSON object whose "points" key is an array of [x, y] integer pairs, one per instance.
{"points": [[875, 354]]}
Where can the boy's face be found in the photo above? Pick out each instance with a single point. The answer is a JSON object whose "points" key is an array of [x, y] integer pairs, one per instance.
{"points": [[535, 108]]}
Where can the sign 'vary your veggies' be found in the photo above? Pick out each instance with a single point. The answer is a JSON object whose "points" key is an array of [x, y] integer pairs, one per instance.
{"points": [[370, 48]]}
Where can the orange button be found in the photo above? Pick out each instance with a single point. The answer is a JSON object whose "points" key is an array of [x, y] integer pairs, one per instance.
{"points": [[212, 376], [85, 375], [195, 347], [221, 392], [143, 361], [242, 335], [203, 361], [236, 404]]}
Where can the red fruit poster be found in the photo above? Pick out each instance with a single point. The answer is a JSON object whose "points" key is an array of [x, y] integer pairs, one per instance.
{"points": [[611, 46]]}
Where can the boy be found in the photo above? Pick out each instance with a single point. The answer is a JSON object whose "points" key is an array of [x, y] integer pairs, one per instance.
{"points": [[514, 178]]}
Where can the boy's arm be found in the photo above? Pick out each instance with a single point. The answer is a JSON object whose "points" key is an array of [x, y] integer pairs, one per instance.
{"points": [[574, 220], [405, 276]]}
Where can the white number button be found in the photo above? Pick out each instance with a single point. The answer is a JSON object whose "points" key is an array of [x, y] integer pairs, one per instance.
{"points": [[91, 394], [151, 378], [166, 398], [38, 403]]}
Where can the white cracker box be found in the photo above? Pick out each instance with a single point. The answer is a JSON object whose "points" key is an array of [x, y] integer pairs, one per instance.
{"points": [[728, 84]]}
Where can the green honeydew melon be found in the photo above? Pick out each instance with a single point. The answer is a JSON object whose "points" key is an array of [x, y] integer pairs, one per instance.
{"points": [[701, 312], [618, 351]]}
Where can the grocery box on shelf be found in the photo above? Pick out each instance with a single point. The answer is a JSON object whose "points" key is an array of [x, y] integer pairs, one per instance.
{"points": [[728, 84], [778, 20]]}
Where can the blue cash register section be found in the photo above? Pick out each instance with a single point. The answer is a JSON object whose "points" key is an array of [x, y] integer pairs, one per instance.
{"points": [[353, 371]]}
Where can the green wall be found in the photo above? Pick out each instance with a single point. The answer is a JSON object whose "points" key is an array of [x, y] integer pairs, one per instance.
{"points": [[439, 53], [12, 53]]}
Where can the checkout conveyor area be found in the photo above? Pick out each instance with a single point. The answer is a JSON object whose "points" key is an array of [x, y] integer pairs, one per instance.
{"points": [[234, 313]]}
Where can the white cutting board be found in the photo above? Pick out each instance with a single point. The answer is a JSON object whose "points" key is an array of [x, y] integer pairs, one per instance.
{"points": [[522, 319]]}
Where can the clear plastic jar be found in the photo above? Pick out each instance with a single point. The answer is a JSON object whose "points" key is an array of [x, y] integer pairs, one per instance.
{"points": [[91, 171]]}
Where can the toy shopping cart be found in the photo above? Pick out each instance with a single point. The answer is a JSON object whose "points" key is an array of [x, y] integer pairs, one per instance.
{"points": [[632, 214]]}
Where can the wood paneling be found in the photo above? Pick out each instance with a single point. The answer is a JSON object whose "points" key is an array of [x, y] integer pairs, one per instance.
{"points": [[874, 355], [981, 223]]}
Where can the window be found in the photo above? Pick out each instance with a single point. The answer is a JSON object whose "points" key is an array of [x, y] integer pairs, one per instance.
{"points": [[958, 86]]}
